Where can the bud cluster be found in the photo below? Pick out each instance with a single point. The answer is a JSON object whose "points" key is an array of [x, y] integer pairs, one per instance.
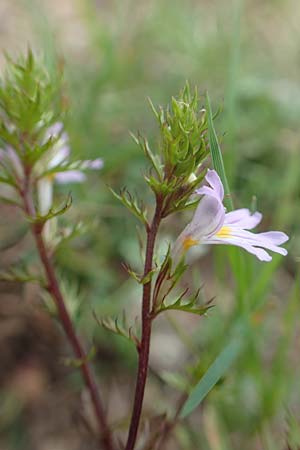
{"points": [[176, 168]]}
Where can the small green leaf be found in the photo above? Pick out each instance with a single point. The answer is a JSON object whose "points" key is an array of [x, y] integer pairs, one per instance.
{"points": [[140, 278], [119, 327], [40, 220], [20, 275], [153, 108], [189, 305], [10, 201], [77, 362], [135, 207]]}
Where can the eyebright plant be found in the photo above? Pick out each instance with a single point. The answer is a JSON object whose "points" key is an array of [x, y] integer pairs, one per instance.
{"points": [[35, 154]]}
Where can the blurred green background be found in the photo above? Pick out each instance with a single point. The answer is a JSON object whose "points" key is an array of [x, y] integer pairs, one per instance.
{"points": [[115, 54]]}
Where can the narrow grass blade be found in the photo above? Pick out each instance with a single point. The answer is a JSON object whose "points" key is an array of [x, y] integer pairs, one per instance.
{"points": [[237, 261], [216, 155], [218, 368]]}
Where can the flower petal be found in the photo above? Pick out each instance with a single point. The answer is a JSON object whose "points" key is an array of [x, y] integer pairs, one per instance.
{"points": [[70, 176], [45, 194], [246, 239], [54, 130], [243, 218], [276, 237], [260, 253], [261, 240], [9, 157], [208, 218], [215, 182], [94, 164], [216, 187], [206, 190], [61, 154]]}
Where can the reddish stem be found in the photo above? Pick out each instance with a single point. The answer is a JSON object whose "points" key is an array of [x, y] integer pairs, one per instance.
{"points": [[54, 290], [146, 331]]}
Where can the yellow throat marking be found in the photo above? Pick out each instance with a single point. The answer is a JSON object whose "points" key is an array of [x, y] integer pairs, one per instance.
{"points": [[189, 242], [224, 232]]}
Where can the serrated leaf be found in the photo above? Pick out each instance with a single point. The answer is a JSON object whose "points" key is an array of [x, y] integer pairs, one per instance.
{"points": [[148, 277], [7, 180], [138, 210], [141, 279], [66, 234], [186, 305], [20, 275], [42, 219], [154, 159], [118, 327], [163, 274], [10, 201], [77, 362]]}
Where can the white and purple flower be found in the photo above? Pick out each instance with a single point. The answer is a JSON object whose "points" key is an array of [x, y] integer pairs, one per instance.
{"points": [[57, 168], [212, 225]]}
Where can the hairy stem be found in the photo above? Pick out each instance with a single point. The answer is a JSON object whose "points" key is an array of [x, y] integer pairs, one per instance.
{"points": [[54, 290], [146, 331]]}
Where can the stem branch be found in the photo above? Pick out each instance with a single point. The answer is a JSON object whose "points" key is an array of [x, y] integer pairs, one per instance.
{"points": [[54, 290], [146, 330]]}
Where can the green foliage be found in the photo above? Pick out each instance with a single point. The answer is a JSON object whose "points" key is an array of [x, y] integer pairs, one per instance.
{"points": [[133, 205], [74, 299], [189, 305], [293, 432], [216, 155], [21, 274], [120, 327], [175, 169], [108, 82], [29, 105], [77, 362], [182, 149], [182, 129], [141, 279], [219, 367], [40, 220]]}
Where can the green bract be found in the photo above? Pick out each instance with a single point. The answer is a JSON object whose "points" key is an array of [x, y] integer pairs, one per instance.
{"points": [[182, 148], [176, 164], [30, 102]]}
